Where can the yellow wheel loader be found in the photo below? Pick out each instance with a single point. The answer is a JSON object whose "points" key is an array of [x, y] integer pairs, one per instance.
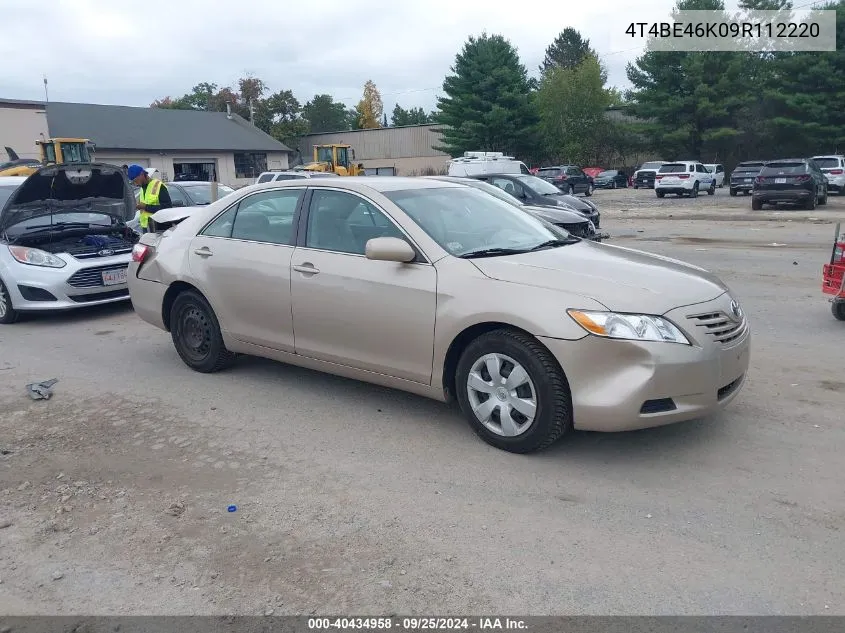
{"points": [[334, 158], [54, 151]]}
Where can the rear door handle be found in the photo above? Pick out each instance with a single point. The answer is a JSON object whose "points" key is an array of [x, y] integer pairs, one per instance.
{"points": [[306, 268], [203, 252]]}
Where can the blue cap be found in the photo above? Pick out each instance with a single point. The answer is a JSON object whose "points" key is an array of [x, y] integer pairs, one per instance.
{"points": [[134, 171]]}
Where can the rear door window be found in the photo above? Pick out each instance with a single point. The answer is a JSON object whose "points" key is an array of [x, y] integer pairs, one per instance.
{"points": [[827, 163]]}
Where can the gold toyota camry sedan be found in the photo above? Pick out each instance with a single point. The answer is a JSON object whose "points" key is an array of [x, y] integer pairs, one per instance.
{"points": [[445, 291]]}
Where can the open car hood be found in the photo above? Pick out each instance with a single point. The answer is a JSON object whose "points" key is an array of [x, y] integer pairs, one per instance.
{"points": [[88, 188]]}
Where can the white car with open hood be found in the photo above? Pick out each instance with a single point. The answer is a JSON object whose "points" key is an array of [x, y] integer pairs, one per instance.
{"points": [[64, 242]]}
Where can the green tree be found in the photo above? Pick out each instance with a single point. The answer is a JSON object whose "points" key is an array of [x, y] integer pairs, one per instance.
{"points": [[567, 51], [324, 114], [414, 116], [573, 104], [370, 109], [487, 104]]}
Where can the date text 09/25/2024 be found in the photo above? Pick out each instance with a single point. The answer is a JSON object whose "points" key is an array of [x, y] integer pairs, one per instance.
{"points": [[417, 624]]}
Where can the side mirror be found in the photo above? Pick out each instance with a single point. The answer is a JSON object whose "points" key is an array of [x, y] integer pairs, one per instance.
{"points": [[390, 249], [178, 203]]}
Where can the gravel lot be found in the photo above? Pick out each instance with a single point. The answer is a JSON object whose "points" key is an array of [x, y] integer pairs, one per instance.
{"points": [[357, 499]]}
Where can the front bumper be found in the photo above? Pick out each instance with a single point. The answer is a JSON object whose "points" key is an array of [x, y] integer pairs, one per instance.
{"points": [[78, 284], [742, 186], [147, 298], [629, 385]]}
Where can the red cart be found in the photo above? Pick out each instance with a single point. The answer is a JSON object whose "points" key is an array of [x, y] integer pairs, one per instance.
{"points": [[833, 276]]}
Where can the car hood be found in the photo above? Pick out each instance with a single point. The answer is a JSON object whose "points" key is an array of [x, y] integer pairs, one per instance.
{"points": [[92, 188], [622, 279], [556, 215]]}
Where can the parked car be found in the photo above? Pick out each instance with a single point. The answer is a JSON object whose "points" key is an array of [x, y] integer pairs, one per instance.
{"points": [[686, 178], [570, 179], [592, 172], [795, 181], [570, 221], [833, 167], [184, 194], [537, 192], [742, 177], [718, 171], [480, 163], [644, 175], [456, 295], [610, 179], [65, 243], [270, 176]]}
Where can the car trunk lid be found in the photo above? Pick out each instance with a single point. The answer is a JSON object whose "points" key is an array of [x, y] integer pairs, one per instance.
{"points": [[783, 177]]}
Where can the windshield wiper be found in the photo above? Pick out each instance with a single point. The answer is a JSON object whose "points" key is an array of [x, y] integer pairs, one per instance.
{"points": [[58, 226], [492, 252], [554, 244]]}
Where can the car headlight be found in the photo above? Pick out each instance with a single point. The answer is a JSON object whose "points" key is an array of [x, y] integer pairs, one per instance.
{"points": [[631, 327], [36, 257]]}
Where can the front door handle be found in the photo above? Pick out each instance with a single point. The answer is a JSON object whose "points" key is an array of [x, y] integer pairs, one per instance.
{"points": [[203, 252], [307, 268]]}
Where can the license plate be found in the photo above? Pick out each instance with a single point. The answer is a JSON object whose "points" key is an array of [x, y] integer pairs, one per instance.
{"points": [[780, 181], [114, 277]]}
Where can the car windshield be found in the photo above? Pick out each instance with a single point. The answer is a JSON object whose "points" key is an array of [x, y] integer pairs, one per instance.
{"points": [[463, 219], [201, 194], [6, 193], [827, 163], [549, 172], [651, 165], [57, 219], [610, 173], [539, 185], [784, 168], [674, 168]]}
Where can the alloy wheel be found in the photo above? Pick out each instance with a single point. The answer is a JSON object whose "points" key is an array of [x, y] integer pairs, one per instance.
{"points": [[502, 395], [4, 301]]}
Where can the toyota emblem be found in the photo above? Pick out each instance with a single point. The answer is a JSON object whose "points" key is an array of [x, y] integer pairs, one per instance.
{"points": [[736, 310]]}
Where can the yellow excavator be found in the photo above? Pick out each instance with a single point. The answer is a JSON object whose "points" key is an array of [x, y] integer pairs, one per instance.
{"points": [[54, 151], [334, 158]]}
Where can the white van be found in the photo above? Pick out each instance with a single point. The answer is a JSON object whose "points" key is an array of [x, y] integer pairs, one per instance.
{"points": [[482, 163]]}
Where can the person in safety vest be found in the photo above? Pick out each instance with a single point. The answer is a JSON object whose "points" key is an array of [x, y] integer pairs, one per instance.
{"points": [[154, 195]]}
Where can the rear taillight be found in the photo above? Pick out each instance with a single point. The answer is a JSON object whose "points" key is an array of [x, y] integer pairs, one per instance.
{"points": [[658, 177], [803, 178], [561, 178], [836, 172], [682, 176], [140, 252]]}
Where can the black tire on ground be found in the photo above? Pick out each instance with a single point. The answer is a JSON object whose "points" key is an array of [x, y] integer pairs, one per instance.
{"points": [[838, 309], [636, 186], [553, 416], [712, 190], [756, 205], [660, 194], [589, 191], [196, 334], [8, 314], [823, 199], [811, 202], [694, 192], [571, 190], [733, 192]]}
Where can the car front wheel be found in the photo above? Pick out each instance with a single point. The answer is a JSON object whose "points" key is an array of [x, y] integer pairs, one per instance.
{"points": [[196, 334], [590, 189], [838, 309], [513, 392], [8, 314]]}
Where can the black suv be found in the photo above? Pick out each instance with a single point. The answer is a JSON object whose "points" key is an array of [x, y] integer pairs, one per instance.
{"points": [[742, 177], [569, 179], [796, 181]]}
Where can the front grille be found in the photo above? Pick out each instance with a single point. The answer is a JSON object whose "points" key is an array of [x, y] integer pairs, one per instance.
{"points": [[93, 277], [579, 229], [100, 296], [719, 326], [728, 389]]}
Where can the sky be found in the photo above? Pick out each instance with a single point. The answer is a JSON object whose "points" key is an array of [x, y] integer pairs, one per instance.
{"points": [[97, 51]]}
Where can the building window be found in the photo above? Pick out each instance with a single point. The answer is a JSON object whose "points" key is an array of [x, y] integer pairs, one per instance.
{"points": [[249, 164]]}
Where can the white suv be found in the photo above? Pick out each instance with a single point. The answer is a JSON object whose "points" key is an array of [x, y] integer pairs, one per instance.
{"points": [[833, 168], [684, 178]]}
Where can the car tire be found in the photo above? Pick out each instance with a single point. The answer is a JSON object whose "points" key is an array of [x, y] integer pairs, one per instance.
{"points": [[571, 190], [8, 314], [756, 205], [712, 190], [590, 189], [823, 199], [545, 383], [694, 192], [196, 334], [660, 194], [838, 310], [811, 202], [733, 192], [636, 186]]}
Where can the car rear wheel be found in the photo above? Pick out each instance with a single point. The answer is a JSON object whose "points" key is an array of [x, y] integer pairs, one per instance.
{"points": [[8, 314], [756, 204], [733, 192], [838, 309], [823, 199], [590, 189], [512, 392], [694, 192], [196, 334], [712, 190], [811, 202], [660, 194]]}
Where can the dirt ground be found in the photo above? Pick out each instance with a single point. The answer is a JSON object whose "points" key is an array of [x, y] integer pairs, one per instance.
{"points": [[354, 499]]}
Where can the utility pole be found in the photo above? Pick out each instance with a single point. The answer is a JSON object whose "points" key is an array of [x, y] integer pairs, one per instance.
{"points": [[46, 94], [251, 113]]}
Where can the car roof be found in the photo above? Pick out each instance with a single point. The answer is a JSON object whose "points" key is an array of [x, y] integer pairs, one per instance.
{"points": [[362, 184], [829, 156], [786, 160]]}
